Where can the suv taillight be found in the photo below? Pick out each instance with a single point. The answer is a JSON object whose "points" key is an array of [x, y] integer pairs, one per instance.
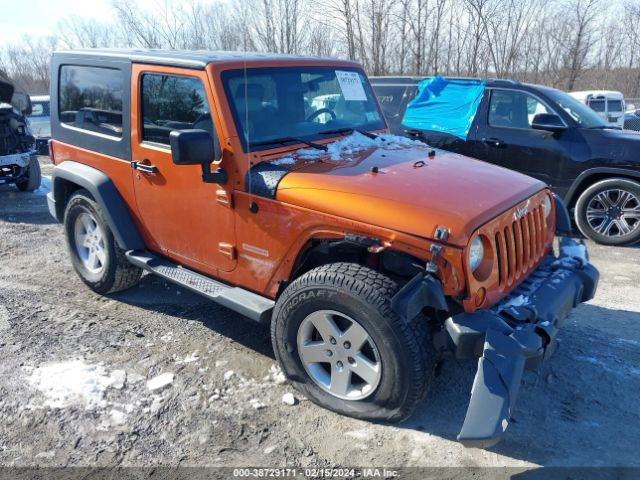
{"points": [[50, 145]]}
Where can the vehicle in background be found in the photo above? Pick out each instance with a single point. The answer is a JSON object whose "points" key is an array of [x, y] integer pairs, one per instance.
{"points": [[394, 94], [270, 184], [608, 104], [541, 132], [18, 161], [632, 120], [40, 122]]}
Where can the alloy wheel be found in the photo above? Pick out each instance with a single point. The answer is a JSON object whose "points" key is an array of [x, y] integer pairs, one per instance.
{"points": [[614, 213], [90, 243], [339, 355]]}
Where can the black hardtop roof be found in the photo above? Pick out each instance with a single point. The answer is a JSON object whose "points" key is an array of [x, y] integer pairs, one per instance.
{"points": [[181, 58]]}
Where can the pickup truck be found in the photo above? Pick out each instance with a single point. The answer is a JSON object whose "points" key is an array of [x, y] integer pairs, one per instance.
{"points": [[18, 161], [270, 184], [535, 130]]}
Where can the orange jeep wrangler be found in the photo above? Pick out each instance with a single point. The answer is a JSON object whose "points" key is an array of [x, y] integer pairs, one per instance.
{"points": [[270, 185]]}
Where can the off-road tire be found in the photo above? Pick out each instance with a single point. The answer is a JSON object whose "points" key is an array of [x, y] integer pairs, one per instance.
{"points": [[407, 353], [118, 274], [32, 179], [587, 196]]}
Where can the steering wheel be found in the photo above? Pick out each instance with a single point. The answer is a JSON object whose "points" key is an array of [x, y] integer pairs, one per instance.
{"points": [[320, 112]]}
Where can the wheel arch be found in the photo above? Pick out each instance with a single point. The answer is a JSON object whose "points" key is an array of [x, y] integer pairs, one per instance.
{"points": [[594, 175], [70, 176]]}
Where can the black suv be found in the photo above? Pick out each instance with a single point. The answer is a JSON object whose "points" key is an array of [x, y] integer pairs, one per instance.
{"points": [[547, 134]]}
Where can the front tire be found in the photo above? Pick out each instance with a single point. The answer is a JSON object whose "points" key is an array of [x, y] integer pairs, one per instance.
{"points": [[608, 212], [95, 256], [341, 345], [31, 180]]}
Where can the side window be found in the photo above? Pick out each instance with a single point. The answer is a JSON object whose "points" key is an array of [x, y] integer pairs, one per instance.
{"points": [[171, 102], [513, 109], [91, 98]]}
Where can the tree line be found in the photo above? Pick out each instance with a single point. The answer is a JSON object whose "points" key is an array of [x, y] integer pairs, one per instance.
{"points": [[568, 44]]}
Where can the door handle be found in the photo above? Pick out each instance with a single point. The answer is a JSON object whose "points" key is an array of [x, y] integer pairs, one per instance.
{"points": [[144, 168], [494, 142]]}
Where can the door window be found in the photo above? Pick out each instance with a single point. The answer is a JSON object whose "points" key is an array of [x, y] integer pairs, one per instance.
{"points": [[513, 109], [171, 102]]}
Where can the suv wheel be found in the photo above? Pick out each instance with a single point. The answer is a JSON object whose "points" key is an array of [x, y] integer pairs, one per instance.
{"points": [[341, 345], [95, 256], [31, 179], [608, 212]]}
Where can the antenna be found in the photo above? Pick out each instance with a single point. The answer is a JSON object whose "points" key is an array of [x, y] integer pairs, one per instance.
{"points": [[253, 208]]}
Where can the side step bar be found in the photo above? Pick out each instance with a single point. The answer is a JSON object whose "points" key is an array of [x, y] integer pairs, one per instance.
{"points": [[249, 304]]}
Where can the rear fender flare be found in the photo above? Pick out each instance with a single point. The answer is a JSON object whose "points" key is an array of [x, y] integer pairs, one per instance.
{"points": [[104, 192]]}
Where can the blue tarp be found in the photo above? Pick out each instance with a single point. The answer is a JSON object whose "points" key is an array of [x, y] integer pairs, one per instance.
{"points": [[442, 105]]}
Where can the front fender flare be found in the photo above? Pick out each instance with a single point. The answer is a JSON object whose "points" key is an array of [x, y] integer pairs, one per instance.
{"points": [[104, 193]]}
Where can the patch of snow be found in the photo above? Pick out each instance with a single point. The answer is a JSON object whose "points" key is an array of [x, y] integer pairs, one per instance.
{"points": [[518, 301], [228, 374], [118, 417], [270, 449], [194, 357], [284, 161], [161, 381], [257, 404], [119, 378], [289, 399], [356, 142], [4, 319], [358, 434], [575, 251], [71, 382], [276, 375]]}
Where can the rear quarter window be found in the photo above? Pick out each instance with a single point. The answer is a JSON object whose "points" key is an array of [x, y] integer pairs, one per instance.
{"points": [[91, 98]]}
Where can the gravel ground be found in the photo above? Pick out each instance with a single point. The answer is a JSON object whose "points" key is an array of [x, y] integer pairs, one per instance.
{"points": [[75, 371]]}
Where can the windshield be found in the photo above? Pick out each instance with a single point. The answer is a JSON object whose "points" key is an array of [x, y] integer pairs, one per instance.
{"points": [[310, 103], [615, 106], [583, 115]]}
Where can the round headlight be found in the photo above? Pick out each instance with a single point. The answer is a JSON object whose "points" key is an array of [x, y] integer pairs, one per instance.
{"points": [[476, 253], [546, 206]]}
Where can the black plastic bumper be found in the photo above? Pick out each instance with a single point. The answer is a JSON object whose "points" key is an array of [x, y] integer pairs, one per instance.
{"points": [[517, 334]]}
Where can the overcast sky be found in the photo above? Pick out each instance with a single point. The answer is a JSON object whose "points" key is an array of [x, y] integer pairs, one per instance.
{"points": [[39, 17]]}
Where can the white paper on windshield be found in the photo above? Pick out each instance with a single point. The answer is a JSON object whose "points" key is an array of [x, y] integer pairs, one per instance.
{"points": [[351, 86]]}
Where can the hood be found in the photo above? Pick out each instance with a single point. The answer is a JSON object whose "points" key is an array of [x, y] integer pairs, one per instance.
{"points": [[617, 147], [411, 191], [6, 90], [17, 98]]}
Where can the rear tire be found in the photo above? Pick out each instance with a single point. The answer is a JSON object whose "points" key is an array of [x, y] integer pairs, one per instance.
{"points": [[95, 256], [608, 212], [351, 295], [31, 181]]}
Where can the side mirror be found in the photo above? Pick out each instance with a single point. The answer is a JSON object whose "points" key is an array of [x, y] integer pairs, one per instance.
{"points": [[549, 122], [197, 147]]}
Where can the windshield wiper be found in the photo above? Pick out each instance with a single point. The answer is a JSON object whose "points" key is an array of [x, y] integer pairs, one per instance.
{"points": [[285, 140], [372, 136]]}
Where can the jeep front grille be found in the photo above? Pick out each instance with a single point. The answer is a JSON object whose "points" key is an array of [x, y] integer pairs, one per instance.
{"points": [[519, 246]]}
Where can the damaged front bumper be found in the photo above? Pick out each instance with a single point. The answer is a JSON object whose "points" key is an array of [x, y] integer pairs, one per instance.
{"points": [[517, 334]]}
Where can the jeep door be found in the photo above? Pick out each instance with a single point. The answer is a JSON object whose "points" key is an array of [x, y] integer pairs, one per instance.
{"points": [[185, 219], [504, 136]]}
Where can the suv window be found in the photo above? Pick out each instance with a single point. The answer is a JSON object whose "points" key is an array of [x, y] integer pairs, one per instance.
{"points": [[39, 109], [171, 102], [91, 98], [514, 109], [598, 105]]}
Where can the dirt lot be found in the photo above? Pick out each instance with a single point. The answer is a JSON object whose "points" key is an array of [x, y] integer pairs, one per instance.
{"points": [[74, 368]]}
